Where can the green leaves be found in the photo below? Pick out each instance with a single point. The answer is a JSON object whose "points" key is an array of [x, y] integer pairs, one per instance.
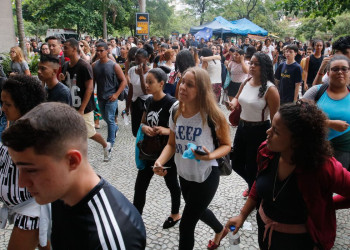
{"points": [[311, 8]]}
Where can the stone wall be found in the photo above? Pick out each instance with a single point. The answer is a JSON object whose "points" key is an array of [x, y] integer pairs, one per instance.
{"points": [[7, 28]]}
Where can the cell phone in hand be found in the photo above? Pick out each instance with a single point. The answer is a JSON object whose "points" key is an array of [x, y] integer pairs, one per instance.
{"points": [[200, 152], [162, 167]]}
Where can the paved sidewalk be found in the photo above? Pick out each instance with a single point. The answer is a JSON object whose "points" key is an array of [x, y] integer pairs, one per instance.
{"points": [[121, 172]]}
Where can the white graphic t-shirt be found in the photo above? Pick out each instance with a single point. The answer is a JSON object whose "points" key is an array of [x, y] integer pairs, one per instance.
{"points": [[191, 130]]}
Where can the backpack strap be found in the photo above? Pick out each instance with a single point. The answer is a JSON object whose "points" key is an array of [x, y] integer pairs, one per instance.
{"points": [[213, 132], [62, 60], [174, 109], [64, 67], [320, 91]]}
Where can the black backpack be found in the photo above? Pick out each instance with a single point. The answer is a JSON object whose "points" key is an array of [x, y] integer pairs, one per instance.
{"points": [[322, 89]]}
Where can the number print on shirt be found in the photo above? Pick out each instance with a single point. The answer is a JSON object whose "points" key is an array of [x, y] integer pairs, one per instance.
{"points": [[74, 89]]}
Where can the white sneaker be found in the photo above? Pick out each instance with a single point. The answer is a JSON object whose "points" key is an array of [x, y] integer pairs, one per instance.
{"points": [[107, 152]]}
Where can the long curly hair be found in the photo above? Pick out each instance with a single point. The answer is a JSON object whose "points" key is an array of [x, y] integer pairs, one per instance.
{"points": [[266, 71], [307, 124], [184, 60], [25, 91]]}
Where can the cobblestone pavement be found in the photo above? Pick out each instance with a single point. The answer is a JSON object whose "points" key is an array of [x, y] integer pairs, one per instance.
{"points": [[121, 172]]}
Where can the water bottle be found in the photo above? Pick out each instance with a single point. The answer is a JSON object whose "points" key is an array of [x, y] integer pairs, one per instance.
{"points": [[125, 118], [234, 240]]}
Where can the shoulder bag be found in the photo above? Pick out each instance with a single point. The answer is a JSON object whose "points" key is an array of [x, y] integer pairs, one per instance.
{"points": [[224, 163], [236, 113]]}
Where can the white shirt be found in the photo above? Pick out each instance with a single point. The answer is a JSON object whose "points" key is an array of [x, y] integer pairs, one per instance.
{"points": [[268, 51], [192, 130], [214, 71], [252, 105], [136, 85]]}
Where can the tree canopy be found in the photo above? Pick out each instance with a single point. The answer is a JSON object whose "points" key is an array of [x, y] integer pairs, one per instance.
{"points": [[311, 8]]}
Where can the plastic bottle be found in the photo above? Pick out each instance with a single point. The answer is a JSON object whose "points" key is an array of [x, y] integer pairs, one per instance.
{"points": [[125, 118], [234, 240]]}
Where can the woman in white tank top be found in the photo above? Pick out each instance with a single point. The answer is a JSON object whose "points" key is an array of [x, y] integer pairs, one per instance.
{"points": [[213, 68], [259, 99]]}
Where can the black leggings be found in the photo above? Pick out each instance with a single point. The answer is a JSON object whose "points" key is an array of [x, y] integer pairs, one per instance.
{"points": [[245, 150], [143, 179], [198, 197], [137, 108]]}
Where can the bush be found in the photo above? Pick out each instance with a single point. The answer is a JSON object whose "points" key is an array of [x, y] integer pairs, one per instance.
{"points": [[33, 64], [6, 64]]}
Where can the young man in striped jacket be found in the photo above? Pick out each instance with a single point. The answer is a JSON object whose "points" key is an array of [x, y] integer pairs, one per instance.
{"points": [[49, 147]]}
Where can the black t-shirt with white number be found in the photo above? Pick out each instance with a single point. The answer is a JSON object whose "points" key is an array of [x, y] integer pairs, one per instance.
{"points": [[75, 80]]}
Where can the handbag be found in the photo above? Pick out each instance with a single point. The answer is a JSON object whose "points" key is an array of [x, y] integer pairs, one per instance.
{"points": [[235, 115], [224, 162], [151, 147]]}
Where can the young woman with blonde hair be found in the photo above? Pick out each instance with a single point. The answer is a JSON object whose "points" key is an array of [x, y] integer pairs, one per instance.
{"points": [[19, 66], [85, 50], [199, 179]]}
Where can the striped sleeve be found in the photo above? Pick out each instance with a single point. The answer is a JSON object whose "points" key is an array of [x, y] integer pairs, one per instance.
{"points": [[107, 227]]}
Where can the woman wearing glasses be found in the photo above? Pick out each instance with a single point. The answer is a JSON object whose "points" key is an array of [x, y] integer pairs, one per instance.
{"points": [[259, 100], [334, 100]]}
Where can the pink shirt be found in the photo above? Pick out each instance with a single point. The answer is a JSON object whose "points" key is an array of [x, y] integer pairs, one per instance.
{"points": [[236, 70]]}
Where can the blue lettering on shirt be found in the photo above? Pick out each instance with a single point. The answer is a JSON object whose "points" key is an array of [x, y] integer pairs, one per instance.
{"points": [[187, 133]]}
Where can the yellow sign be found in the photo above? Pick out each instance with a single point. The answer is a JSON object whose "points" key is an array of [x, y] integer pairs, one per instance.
{"points": [[142, 28], [142, 23]]}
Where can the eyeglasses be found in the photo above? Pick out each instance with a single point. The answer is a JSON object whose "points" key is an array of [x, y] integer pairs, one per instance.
{"points": [[256, 64], [100, 50], [342, 69]]}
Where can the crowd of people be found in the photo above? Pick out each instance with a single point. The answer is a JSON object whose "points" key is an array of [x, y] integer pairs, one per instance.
{"points": [[291, 146]]}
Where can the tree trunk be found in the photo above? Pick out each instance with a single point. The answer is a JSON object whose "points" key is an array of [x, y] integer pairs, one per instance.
{"points": [[20, 25], [142, 4], [104, 8]]}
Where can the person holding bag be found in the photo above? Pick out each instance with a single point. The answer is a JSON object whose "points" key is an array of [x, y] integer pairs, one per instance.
{"points": [[156, 131], [259, 99], [199, 177]]}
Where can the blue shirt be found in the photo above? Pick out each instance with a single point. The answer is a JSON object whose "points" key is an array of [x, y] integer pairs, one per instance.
{"points": [[335, 110]]}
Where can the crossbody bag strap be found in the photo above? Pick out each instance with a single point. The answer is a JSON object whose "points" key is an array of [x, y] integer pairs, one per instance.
{"points": [[263, 113], [242, 86]]}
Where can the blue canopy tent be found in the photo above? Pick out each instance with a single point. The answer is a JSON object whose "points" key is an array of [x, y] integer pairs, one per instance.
{"points": [[244, 27], [219, 26], [205, 33]]}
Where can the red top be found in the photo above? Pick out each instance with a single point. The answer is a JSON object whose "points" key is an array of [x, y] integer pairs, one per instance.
{"points": [[317, 188], [66, 59]]}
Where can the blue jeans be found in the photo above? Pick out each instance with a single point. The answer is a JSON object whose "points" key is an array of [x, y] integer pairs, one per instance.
{"points": [[108, 109]]}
